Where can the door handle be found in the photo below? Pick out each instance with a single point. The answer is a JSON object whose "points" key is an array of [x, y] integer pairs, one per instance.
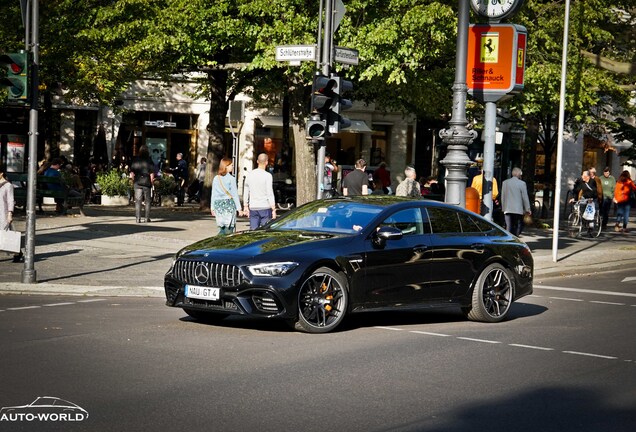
{"points": [[420, 249], [478, 246]]}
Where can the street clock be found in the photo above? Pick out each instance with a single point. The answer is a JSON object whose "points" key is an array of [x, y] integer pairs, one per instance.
{"points": [[495, 10]]}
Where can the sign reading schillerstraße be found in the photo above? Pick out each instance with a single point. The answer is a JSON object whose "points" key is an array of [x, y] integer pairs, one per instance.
{"points": [[295, 52]]}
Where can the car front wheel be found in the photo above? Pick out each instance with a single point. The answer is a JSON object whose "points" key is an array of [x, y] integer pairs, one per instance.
{"points": [[492, 295], [322, 301]]}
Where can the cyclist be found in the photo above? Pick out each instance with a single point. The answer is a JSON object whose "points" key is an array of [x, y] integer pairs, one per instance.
{"points": [[586, 192]]}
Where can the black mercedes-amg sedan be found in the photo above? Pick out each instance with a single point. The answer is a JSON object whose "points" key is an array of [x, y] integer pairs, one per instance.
{"points": [[329, 258]]}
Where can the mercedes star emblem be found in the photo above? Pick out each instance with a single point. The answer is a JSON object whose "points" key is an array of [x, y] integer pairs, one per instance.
{"points": [[201, 273]]}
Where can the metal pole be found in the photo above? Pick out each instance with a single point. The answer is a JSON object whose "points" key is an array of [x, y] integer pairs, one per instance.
{"points": [[326, 69], [29, 273], [559, 161], [489, 156], [457, 136]]}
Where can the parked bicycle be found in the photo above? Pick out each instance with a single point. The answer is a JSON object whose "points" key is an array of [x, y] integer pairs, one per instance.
{"points": [[578, 221]]}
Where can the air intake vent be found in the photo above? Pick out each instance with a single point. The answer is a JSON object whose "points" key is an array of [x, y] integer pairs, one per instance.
{"points": [[265, 303]]}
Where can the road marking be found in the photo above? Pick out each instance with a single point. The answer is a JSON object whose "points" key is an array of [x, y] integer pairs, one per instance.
{"points": [[565, 298], [389, 328], [591, 355], [629, 279], [429, 333], [478, 340], [532, 347], [24, 307], [90, 301], [584, 291], [607, 303], [58, 304]]}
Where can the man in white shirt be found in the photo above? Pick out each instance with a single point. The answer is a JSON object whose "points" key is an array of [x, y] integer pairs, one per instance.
{"points": [[258, 195]]}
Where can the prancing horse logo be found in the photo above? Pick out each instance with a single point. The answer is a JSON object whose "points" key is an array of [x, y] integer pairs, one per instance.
{"points": [[201, 273]]}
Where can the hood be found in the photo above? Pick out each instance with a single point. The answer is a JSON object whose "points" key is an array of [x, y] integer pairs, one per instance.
{"points": [[259, 242]]}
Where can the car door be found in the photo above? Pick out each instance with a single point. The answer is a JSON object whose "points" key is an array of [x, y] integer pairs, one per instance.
{"points": [[458, 247], [398, 273]]}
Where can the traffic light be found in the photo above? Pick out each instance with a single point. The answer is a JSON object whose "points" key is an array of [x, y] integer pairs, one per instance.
{"points": [[323, 97], [15, 75], [336, 120]]}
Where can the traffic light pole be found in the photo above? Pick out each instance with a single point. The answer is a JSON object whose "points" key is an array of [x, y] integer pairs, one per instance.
{"points": [[457, 137], [325, 67], [29, 273]]}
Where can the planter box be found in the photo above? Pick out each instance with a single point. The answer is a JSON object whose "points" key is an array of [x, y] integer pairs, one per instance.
{"points": [[168, 200], [114, 200]]}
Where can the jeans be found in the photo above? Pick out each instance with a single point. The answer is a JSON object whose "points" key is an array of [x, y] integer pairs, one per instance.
{"points": [[622, 213], [514, 223], [142, 193], [606, 205], [258, 218]]}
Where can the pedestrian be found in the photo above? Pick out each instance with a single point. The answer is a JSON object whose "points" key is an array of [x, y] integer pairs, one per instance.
{"points": [[624, 187], [328, 179], [180, 173], [384, 178], [598, 183], [478, 184], [515, 202], [357, 181], [224, 201], [585, 189], [258, 195], [142, 173], [7, 205], [194, 190], [608, 183], [409, 187]]}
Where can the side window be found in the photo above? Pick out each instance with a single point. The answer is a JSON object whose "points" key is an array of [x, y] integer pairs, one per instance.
{"points": [[444, 221], [409, 221], [468, 224], [487, 228]]}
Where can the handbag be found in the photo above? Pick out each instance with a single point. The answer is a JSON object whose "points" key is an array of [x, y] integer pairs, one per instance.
{"points": [[588, 214], [10, 240], [527, 219]]}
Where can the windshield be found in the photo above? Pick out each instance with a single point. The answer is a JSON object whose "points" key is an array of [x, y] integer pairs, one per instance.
{"points": [[328, 216]]}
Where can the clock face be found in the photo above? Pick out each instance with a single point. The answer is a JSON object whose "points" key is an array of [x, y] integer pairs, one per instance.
{"points": [[495, 9]]}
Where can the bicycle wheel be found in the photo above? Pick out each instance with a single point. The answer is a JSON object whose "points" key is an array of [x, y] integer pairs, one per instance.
{"points": [[574, 224]]}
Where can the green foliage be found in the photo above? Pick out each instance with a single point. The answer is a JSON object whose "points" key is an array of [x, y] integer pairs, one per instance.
{"points": [[113, 183], [165, 185]]}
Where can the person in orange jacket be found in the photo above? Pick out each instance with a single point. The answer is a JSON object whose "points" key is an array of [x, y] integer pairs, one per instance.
{"points": [[624, 186]]}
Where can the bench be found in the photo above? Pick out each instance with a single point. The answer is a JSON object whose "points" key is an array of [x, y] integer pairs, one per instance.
{"points": [[43, 190]]}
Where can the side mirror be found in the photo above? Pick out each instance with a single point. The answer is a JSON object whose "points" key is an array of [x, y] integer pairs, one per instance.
{"points": [[385, 233]]}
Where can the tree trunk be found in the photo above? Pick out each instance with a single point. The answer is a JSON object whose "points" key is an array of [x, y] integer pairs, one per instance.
{"points": [[216, 128], [305, 167]]}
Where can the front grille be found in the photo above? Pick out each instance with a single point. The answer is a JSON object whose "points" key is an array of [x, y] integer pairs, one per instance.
{"points": [[218, 275]]}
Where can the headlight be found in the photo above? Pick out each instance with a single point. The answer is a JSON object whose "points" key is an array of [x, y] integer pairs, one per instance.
{"points": [[272, 269]]}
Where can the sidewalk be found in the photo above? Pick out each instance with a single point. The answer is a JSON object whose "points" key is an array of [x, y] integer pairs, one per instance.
{"points": [[106, 253]]}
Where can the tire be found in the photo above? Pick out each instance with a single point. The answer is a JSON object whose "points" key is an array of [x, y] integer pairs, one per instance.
{"points": [[492, 295], [322, 301], [598, 225], [204, 316], [574, 225]]}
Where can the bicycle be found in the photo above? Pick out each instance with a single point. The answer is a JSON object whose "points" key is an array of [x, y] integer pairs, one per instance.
{"points": [[576, 222]]}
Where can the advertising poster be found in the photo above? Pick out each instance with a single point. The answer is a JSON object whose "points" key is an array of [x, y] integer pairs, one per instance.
{"points": [[16, 153]]}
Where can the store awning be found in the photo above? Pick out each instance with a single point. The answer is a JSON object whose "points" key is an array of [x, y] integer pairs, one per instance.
{"points": [[271, 121], [357, 126]]}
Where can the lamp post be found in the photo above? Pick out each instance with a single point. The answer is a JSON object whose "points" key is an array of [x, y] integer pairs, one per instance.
{"points": [[457, 137]]}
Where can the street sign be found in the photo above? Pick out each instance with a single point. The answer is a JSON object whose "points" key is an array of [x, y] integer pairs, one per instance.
{"points": [[339, 13], [496, 60], [348, 56], [296, 53]]}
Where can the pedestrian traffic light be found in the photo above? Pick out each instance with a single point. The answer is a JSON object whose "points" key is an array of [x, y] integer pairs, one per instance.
{"points": [[15, 75], [336, 120], [322, 102]]}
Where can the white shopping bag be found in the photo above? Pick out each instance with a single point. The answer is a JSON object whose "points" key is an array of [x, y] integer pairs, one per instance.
{"points": [[10, 241]]}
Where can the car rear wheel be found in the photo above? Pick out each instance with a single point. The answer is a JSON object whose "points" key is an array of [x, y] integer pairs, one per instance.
{"points": [[322, 301], [204, 316], [492, 295]]}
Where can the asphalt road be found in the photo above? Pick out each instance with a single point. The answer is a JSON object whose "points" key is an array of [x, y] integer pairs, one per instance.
{"points": [[565, 361]]}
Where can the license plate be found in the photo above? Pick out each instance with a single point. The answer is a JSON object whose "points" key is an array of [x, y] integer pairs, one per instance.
{"points": [[203, 293]]}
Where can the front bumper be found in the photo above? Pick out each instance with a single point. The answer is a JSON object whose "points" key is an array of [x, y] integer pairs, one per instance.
{"points": [[256, 301]]}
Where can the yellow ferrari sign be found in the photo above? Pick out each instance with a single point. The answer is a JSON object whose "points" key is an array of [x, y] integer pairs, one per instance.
{"points": [[489, 48]]}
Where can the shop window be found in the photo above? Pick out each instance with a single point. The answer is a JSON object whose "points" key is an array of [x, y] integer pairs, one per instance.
{"points": [[380, 144]]}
